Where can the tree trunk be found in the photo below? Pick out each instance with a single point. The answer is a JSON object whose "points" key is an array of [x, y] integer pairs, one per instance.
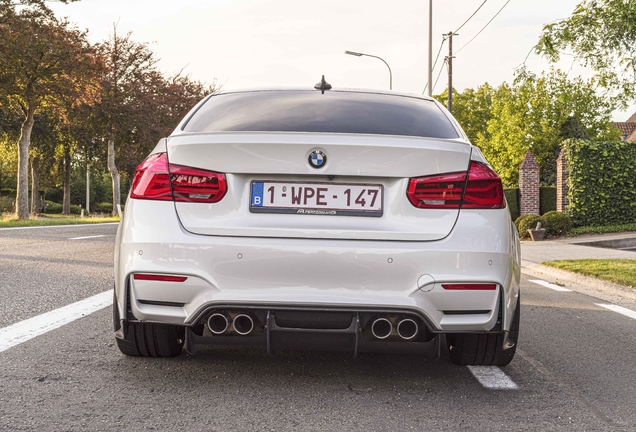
{"points": [[35, 186], [66, 203], [114, 173], [22, 195]]}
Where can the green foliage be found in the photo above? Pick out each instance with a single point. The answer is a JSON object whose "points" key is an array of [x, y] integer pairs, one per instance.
{"points": [[512, 198], [53, 207], [602, 183], [603, 229], [547, 197], [557, 223], [7, 204], [103, 207], [600, 34], [620, 271], [472, 109], [531, 115], [526, 222]]}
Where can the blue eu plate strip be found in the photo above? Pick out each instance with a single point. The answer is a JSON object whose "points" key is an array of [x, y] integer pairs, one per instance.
{"points": [[257, 194]]}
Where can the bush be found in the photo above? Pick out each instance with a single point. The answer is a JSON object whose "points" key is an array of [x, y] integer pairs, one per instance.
{"points": [[103, 207], [526, 222], [557, 224], [512, 198], [53, 207], [7, 204], [56, 208], [547, 196]]}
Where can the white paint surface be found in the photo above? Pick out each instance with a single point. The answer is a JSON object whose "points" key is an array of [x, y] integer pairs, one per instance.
{"points": [[621, 310], [87, 237], [550, 285], [493, 378], [28, 329]]}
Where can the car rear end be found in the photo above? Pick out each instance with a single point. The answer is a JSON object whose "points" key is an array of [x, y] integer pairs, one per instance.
{"points": [[316, 220]]}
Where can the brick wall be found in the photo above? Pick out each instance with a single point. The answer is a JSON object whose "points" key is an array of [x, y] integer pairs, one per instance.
{"points": [[529, 200], [562, 182]]}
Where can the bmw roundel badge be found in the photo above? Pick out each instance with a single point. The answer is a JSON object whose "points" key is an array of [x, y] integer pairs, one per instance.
{"points": [[317, 159]]}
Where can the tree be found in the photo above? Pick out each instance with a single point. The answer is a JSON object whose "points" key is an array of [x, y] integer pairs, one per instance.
{"points": [[531, 114], [130, 68], [39, 59], [472, 109], [600, 33]]}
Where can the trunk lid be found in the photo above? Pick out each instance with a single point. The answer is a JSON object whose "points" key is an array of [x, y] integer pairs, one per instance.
{"points": [[382, 162]]}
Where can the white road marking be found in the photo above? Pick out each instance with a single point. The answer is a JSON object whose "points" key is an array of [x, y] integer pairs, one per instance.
{"points": [[28, 329], [493, 378], [621, 310], [87, 237], [61, 226], [550, 285]]}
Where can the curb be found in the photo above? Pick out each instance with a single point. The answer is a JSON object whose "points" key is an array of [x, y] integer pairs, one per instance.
{"points": [[529, 267]]}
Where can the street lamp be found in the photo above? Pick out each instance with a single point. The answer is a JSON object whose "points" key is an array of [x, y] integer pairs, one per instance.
{"points": [[357, 54]]}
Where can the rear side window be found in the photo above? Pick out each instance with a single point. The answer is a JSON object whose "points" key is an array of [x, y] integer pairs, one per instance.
{"points": [[312, 111]]}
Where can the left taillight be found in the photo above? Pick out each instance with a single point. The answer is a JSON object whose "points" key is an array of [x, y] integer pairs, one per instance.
{"points": [[154, 181], [482, 190]]}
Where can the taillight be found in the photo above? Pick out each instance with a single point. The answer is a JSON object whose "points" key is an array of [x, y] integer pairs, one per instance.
{"points": [[152, 181], [482, 190]]}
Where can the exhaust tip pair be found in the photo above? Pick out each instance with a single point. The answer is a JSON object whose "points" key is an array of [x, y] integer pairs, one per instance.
{"points": [[406, 329], [218, 323]]}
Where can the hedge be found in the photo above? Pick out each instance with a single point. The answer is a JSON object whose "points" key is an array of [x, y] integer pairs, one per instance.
{"points": [[602, 183], [547, 197]]}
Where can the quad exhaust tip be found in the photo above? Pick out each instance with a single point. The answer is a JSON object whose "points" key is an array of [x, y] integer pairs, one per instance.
{"points": [[407, 329], [243, 324], [381, 328], [218, 323]]}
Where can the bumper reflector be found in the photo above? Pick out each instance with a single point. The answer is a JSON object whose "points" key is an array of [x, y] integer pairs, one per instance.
{"points": [[469, 286], [162, 278]]}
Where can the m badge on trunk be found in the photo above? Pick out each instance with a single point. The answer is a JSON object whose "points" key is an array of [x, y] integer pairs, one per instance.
{"points": [[317, 159]]}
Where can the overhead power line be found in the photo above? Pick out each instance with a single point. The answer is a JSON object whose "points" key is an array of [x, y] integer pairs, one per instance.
{"points": [[441, 45], [470, 17], [484, 28]]}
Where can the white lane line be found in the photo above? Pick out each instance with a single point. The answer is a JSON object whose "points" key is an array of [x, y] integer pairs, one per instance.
{"points": [[60, 226], [87, 237], [550, 285], [493, 378], [28, 329], [621, 310]]}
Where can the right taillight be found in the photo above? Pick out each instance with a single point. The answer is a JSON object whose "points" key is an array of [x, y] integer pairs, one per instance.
{"points": [[154, 181], [482, 190]]}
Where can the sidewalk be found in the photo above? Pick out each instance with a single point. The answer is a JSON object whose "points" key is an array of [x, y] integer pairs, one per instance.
{"points": [[535, 253]]}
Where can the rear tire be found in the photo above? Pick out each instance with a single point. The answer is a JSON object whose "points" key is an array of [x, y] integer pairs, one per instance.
{"points": [[151, 340], [484, 349]]}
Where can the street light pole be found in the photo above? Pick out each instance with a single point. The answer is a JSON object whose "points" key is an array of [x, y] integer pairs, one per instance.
{"points": [[357, 54], [430, 47]]}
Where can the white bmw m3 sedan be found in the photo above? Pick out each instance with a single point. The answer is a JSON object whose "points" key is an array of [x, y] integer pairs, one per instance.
{"points": [[318, 219]]}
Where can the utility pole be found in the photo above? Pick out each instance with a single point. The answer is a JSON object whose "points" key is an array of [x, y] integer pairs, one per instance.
{"points": [[450, 71]]}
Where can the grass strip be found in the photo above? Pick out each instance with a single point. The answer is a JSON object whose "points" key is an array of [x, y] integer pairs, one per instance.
{"points": [[14, 222], [620, 271]]}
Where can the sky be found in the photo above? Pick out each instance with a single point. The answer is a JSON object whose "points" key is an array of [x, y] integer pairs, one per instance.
{"points": [[279, 43]]}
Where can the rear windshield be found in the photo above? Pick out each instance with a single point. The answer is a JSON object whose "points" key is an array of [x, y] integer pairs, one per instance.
{"points": [[312, 111]]}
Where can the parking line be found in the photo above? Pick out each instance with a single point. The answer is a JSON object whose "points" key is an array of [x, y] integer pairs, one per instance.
{"points": [[28, 329], [87, 237], [493, 378], [550, 285], [621, 310]]}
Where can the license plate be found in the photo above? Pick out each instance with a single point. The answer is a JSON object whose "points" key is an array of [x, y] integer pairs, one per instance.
{"points": [[316, 198]]}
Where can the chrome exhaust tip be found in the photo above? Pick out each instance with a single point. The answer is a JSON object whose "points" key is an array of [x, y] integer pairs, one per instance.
{"points": [[218, 323], [407, 329], [381, 328], [243, 324]]}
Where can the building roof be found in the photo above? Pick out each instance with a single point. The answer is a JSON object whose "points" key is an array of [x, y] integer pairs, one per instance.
{"points": [[627, 129]]}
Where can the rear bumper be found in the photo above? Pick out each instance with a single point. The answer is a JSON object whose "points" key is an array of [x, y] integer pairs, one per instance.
{"points": [[305, 273]]}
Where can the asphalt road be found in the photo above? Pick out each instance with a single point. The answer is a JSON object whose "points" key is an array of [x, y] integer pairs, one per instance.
{"points": [[574, 369]]}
